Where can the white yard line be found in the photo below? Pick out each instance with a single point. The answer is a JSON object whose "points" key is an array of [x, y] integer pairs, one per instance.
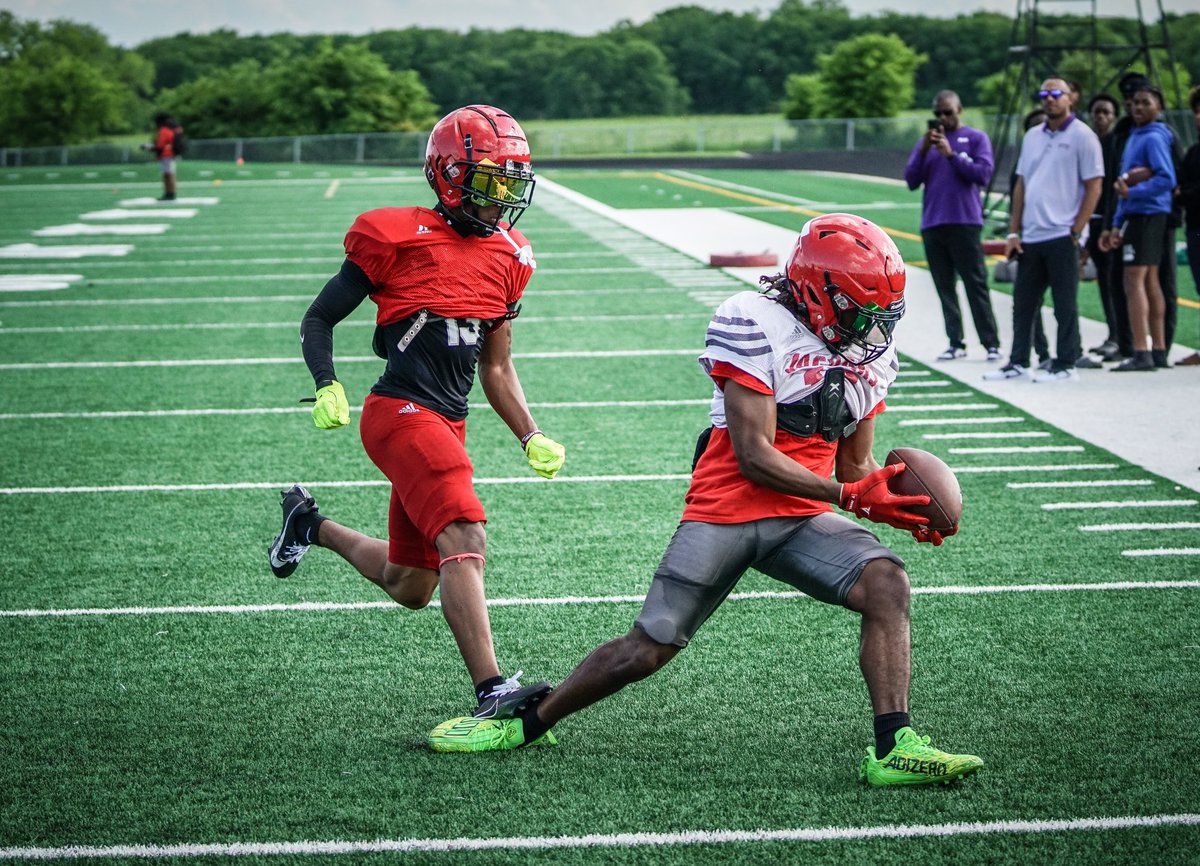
{"points": [[1111, 482], [1164, 551], [1127, 503], [938, 422], [1004, 434], [1138, 527], [1019, 449], [570, 600], [296, 410], [348, 359], [502, 845], [277, 485], [295, 324]]}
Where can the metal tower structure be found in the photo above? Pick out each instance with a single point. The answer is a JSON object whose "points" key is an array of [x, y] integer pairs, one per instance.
{"points": [[1034, 59]]}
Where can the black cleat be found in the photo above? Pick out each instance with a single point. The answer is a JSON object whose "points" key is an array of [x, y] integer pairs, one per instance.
{"points": [[287, 549], [510, 698]]}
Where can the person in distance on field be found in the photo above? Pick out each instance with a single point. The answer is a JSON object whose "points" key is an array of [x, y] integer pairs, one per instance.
{"points": [[164, 148], [800, 373], [447, 282]]}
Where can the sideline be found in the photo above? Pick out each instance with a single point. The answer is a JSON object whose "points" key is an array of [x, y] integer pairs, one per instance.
{"points": [[1149, 420]]}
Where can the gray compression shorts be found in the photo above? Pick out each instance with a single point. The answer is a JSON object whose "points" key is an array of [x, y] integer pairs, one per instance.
{"points": [[822, 556]]}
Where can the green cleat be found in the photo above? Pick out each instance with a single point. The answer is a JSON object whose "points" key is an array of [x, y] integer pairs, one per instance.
{"points": [[914, 762], [469, 734]]}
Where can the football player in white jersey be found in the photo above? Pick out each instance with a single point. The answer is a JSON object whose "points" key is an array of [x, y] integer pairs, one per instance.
{"points": [[800, 372]]}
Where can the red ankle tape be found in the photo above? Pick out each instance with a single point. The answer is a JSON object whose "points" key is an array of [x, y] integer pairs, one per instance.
{"points": [[459, 557]]}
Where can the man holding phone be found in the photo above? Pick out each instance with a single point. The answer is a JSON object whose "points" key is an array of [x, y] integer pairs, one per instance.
{"points": [[954, 162]]}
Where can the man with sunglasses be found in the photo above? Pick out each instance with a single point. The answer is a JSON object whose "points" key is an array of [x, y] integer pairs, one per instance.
{"points": [[955, 164], [446, 282], [800, 373], [1059, 173]]}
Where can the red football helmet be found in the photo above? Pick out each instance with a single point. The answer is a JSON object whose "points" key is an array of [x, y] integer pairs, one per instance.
{"points": [[478, 157], [847, 279]]}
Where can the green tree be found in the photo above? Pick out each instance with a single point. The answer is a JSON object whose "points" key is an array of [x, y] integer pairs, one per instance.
{"points": [[717, 57], [63, 83], [331, 90], [346, 89], [436, 56], [868, 76], [800, 96], [225, 103], [961, 50]]}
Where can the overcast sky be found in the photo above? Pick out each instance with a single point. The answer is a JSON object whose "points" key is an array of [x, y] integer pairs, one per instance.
{"points": [[128, 22]]}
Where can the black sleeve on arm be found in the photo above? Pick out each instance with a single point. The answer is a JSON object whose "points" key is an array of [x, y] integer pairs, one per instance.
{"points": [[340, 297]]}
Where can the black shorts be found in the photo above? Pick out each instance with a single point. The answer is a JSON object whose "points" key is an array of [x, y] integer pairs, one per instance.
{"points": [[1144, 238]]}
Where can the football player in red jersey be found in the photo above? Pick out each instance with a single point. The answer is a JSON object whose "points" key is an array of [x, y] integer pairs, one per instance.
{"points": [[447, 282], [800, 371]]}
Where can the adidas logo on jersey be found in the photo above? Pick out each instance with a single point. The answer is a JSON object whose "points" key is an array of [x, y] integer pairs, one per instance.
{"points": [[423, 230], [407, 409]]}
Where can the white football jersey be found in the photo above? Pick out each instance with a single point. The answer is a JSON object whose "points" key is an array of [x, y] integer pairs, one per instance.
{"points": [[762, 338]]}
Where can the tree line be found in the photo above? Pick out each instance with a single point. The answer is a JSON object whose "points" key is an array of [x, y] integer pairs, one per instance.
{"points": [[63, 82]]}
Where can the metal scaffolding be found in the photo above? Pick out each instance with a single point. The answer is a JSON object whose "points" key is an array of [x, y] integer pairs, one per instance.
{"points": [[1035, 59]]}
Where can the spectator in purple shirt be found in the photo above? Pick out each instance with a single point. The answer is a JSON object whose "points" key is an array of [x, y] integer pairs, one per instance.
{"points": [[954, 162]]}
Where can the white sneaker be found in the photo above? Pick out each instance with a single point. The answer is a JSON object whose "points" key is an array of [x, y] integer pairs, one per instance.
{"points": [[993, 354], [1008, 371], [1068, 375], [952, 354]]}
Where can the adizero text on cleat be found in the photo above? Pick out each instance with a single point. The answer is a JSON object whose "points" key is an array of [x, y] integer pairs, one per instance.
{"points": [[914, 762], [287, 549]]}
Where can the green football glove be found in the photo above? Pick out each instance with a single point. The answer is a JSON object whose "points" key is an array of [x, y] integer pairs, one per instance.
{"points": [[545, 455], [332, 409]]}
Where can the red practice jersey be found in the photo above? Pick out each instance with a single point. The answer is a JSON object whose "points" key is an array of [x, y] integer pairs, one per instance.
{"points": [[416, 261]]}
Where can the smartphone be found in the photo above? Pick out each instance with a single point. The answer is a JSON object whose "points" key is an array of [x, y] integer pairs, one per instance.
{"points": [[933, 123]]}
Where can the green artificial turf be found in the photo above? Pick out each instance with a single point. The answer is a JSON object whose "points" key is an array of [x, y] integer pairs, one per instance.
{"points": [[195, 726]]}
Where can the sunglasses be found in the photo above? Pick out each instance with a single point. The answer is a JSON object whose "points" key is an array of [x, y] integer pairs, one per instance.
{"points": [[1055, 93], [945, 112]]}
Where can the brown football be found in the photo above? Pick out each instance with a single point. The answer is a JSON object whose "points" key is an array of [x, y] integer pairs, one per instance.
{"points": [[926, 474]]}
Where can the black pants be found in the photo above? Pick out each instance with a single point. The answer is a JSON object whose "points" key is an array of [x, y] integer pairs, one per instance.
{"points": [[1109, 280], [951, 249], [1053, 264], [1169, 284]]}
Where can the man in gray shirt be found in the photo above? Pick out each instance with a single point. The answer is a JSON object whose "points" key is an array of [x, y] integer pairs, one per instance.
{"points": [[1058, 182]]}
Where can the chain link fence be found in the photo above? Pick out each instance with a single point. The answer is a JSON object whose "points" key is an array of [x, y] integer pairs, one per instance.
{"points": [[613, 140]]}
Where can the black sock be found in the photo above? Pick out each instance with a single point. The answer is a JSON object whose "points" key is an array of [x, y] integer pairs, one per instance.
{"points": [[532, 725], [307, 525], [483, 689], [885, 732]]}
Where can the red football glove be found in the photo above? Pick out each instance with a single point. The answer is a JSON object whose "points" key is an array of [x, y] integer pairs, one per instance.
{"points": [[922, 533], [870, 499]]}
